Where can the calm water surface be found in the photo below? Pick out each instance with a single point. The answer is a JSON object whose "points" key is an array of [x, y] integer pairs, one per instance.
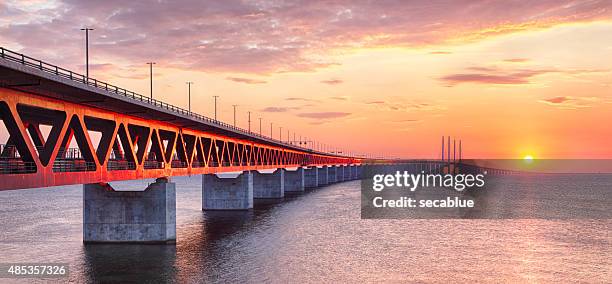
{"points": [[315, 237]]}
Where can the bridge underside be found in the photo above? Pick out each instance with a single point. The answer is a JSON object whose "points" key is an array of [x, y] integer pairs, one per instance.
{"points": [[111, 146]]}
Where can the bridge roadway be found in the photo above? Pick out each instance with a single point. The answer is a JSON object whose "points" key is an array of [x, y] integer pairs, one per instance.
{"points": [[122, 135], [139, 137]]}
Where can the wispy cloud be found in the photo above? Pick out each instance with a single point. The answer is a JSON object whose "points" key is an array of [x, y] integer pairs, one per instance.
{"points": [[516, 60], [275, 109], [440, 52], [406, 121], [332, 81], [340, 98], [245, 80], [323, 115], [498, 76], [570, 103], [300, 99]]}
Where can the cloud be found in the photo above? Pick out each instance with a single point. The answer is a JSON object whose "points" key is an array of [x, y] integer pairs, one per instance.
{"points": [[557, 100], [332, 81], [406, 120], [570, 103], [375, 102], [441, 52], [495, 75], [323, 115], [516, 60], [275, 109], [300, 99], [340, 98], [245, 80], [262, 37]]}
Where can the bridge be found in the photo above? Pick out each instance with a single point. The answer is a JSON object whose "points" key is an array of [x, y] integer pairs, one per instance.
{"points": [[122, 135]]}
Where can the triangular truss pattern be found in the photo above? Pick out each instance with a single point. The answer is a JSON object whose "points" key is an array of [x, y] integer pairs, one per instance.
{"points": [[15, 156], [140, 137], [180, 159], [155, 156], [199, 157], [107, 130], [32, 118], [168, 141], [208, 146], [122, 154], [75, 159]]}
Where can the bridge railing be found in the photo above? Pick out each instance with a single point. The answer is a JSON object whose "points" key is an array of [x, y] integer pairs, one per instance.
{"points": [[80, 78]]}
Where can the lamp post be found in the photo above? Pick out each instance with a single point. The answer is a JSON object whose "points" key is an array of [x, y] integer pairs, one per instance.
{"points": [[260, 126], [87, 51], [234, 114], [151, 76], [189, 91], [249, 122], [215, 107]]}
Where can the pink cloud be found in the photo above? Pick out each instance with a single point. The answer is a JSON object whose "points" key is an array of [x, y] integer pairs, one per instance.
{"points": [[245, 80], [266, 36], [324, 115], [332, 81], [570, 103]]}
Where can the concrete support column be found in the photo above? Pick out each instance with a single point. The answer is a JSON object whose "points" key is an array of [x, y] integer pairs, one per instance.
{"points": [[323, 175], [227, 191], [340, 173], [269, 183], [311, 177], [347, 173], [332, 174], [147, 216], [294, 179]]}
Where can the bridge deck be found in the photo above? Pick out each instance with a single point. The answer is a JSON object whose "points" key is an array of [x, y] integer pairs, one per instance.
{"points": [[137, 137]]}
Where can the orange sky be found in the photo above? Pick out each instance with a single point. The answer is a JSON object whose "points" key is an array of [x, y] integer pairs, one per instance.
{"points": [[509, 80]]}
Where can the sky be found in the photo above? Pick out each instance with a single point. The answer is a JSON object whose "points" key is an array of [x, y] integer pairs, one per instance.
{"points": [[382, 78]]}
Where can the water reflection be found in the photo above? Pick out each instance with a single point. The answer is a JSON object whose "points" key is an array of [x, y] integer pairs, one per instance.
{"points": [[129, 262]]}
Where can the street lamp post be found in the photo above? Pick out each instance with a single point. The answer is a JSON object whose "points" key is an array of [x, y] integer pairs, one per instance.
{"points": [[215, 107], [260, 126], [249, 122], [87, 51], [271, 134], [280, 134], [151, 76], [234, 114], [189, 91]]}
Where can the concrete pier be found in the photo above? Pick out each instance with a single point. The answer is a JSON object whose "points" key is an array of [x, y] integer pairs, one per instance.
{"points": [[294, 179], [331, 174], [227, 191], [357, 171], [340, 173], [311, 177], [323, 175], [348, 174], [269, 183], [111, 216]]}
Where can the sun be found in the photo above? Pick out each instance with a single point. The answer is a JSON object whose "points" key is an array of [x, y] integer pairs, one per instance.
{"points": [[528, 158]]}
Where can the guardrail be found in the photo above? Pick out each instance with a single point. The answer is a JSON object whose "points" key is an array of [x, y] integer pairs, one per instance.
{"points": [[80, 78]]}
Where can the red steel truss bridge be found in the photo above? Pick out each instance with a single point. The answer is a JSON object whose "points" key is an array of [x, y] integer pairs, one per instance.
{"points": [[121, 135]]}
